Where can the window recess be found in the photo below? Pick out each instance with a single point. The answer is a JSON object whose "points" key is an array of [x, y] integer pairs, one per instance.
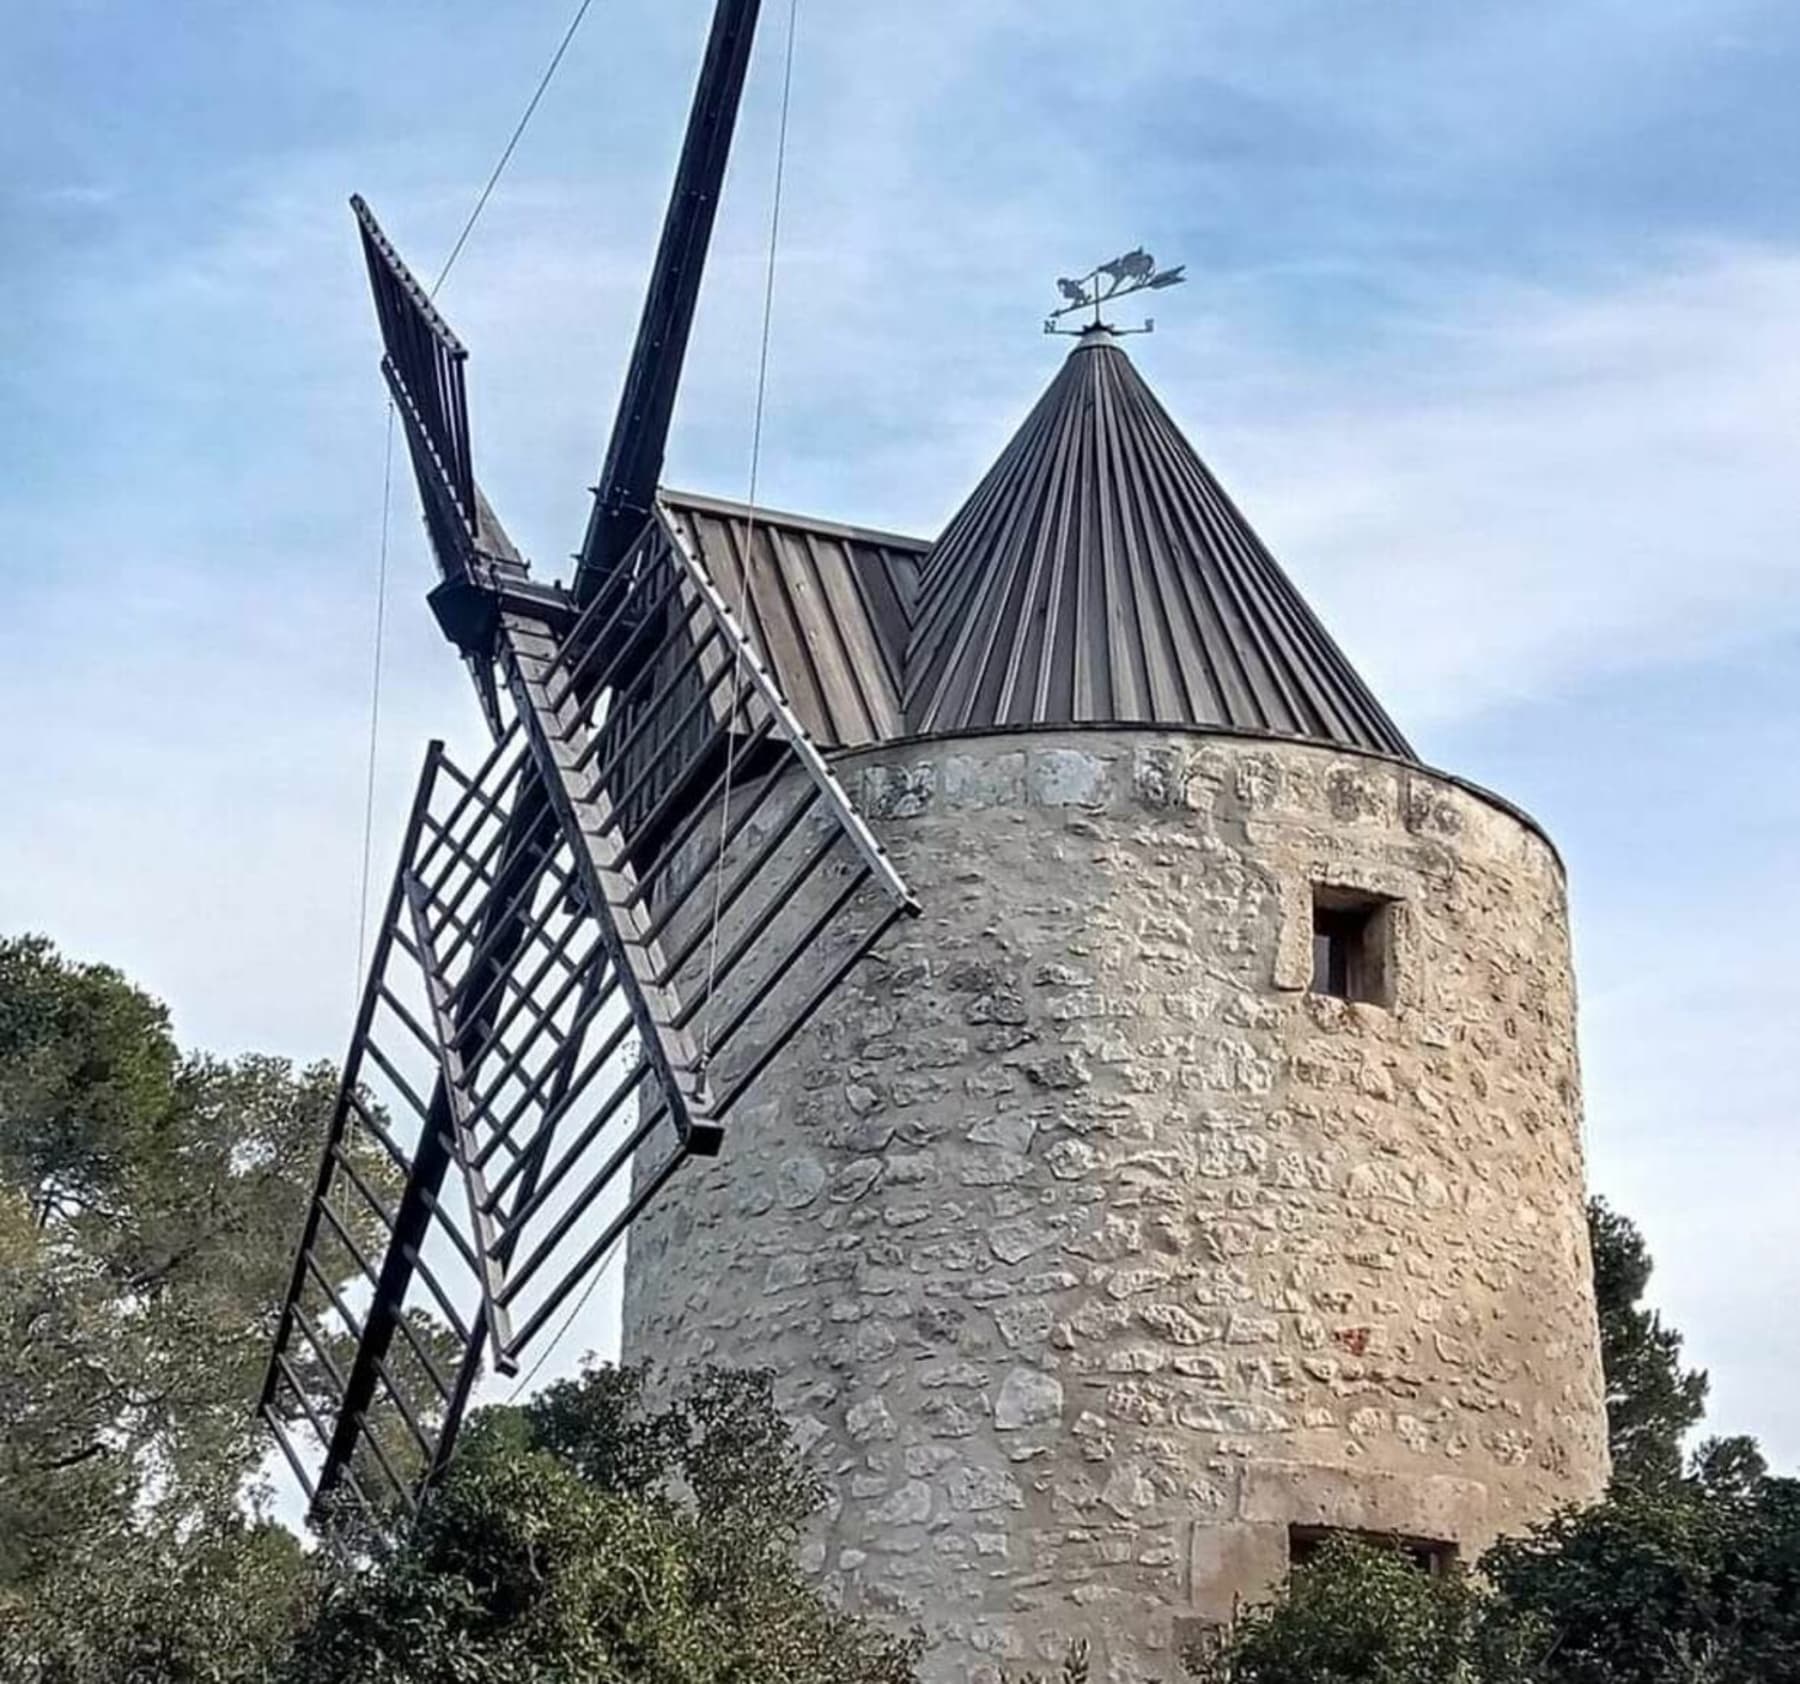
{"points": [[1430, 1555], [1353, 945]]}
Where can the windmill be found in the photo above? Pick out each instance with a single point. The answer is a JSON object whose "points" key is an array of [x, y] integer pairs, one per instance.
{"points": [[596, 940]]}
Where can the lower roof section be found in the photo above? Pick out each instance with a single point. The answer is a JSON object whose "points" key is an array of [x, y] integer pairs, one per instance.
{"points": [[829, 608]]}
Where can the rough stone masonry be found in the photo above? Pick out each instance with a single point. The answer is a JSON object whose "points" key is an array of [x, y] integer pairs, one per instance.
{"points": [[1100, 1259]]}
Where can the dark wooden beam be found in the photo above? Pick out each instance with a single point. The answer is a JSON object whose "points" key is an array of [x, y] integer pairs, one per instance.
{"points": [[624, 498]]}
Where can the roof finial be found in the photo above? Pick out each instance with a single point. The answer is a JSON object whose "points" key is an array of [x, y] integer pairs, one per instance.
{"points": [[1136, 271]]}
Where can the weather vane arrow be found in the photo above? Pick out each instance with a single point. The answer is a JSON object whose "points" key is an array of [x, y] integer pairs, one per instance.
{"points": [[1135, 272]]}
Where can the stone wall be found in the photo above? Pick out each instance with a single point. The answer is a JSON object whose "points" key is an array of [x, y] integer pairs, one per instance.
{"points": [[1094, 1251]]}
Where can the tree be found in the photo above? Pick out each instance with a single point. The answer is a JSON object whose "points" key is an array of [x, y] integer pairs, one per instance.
{"points": [[591, 1536], [1684, 1585], [1359, 1613], [85, 1061], [148, 1203], [218, 1604], [1652, 1402]]}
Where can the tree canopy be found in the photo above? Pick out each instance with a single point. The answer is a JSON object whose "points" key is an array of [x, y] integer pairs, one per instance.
{"points": [[149, 1199], [1361, 1615], [1652, 1402], [147, 1207], [592, 1535]]}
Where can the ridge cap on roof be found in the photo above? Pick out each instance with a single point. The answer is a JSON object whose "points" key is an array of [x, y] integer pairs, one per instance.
{"points": [[705, 503]]}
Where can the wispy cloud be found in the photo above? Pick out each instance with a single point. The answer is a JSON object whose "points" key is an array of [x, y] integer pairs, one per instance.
{"points": [[1546, 488]]}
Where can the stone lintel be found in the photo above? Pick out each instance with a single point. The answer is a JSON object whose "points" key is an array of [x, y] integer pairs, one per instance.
{"points": [[1431, 1506]]}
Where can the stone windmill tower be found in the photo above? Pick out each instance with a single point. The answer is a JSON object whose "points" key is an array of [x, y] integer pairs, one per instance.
{"points": [[1022, 987], [1202, 1173]]}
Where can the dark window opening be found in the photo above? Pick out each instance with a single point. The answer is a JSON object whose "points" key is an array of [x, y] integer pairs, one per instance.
{"points": [[1352, 944], [1429, 1555]]}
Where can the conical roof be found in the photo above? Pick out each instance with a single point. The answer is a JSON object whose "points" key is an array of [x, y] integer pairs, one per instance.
{"points": [[1100, 574]]}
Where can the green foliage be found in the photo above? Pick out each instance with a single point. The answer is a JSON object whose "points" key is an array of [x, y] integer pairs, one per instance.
{"points": [[1664, 1587], [85, 1059], [1362, 1614], [591, 1536], [148, 1202], [599, 1427], [1652, 1402], [1730, 1467], [57, 1399], [215, 1606]]}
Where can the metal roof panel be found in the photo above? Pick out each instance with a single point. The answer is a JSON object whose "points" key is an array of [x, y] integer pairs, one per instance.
{"points": [[1099, 573], [828, 607]]}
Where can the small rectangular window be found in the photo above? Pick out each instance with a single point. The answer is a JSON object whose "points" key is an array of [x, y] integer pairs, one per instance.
{"points": [[1429, 1555], [1352, 946]]}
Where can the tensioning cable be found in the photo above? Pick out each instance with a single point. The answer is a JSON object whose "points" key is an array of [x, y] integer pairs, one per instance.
{"points": [[387, 471]]}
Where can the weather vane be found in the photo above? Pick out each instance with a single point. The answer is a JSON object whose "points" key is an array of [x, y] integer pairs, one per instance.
{"points": [[1136, 271]]}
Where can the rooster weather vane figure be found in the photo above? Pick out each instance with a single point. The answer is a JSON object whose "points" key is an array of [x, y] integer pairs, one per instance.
{"points": [[1135, 272]]}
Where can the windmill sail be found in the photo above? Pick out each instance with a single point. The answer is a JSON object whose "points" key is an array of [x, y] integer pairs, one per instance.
{"points": [[424, 366], [634, 455], [595, 943]]}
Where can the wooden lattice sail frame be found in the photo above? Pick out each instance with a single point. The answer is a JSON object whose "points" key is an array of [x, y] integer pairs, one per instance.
{"points": [[596, 940]]}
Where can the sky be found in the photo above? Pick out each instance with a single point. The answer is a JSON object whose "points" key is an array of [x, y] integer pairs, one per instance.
{"points": [[1493, 329]]}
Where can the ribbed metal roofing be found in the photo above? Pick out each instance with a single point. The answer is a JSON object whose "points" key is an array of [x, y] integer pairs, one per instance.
{"points": [[1100, 573], [828, 607]]}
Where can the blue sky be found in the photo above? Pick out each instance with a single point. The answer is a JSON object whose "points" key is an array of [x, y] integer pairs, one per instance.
{"points": [[1493, 330]]}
